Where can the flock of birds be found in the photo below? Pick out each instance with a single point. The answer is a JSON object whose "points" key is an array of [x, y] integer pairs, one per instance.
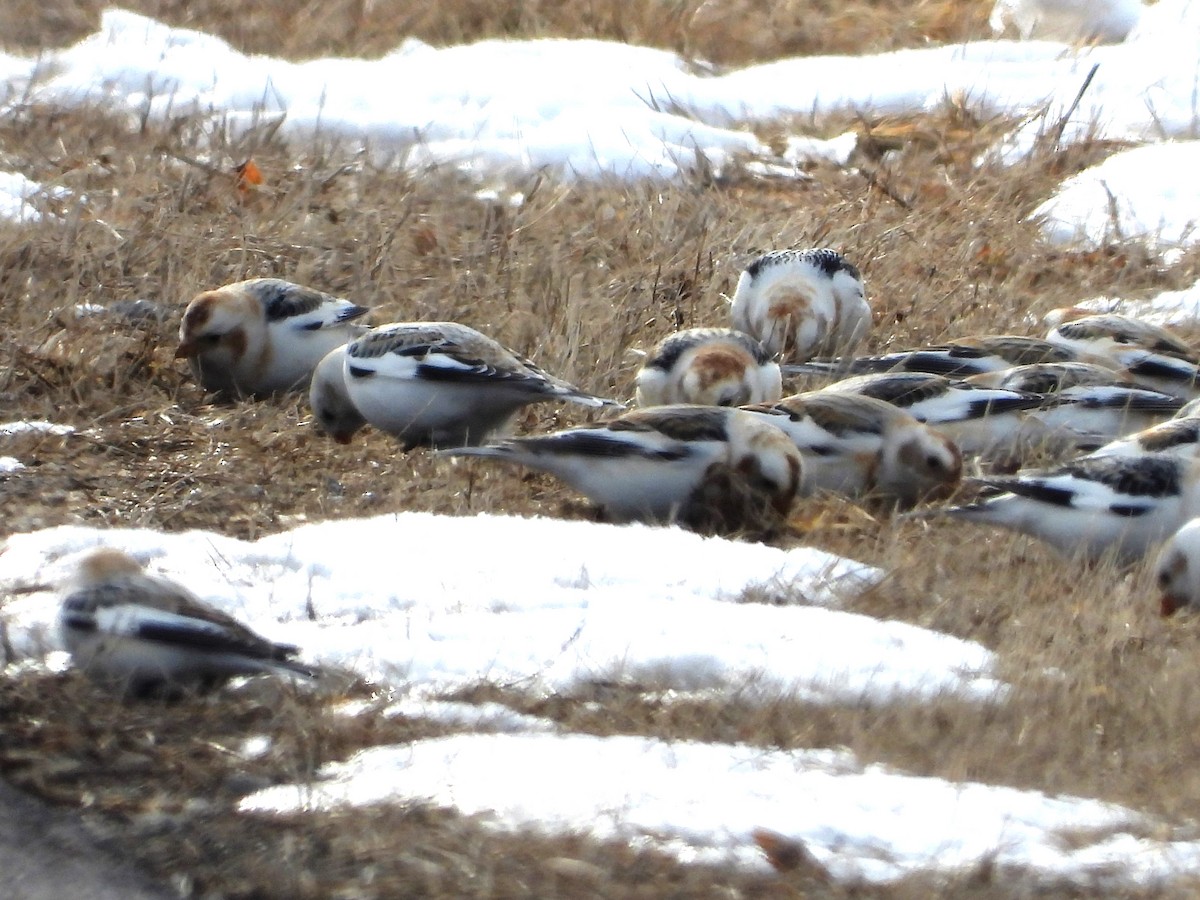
{"points": [[713, 444]]}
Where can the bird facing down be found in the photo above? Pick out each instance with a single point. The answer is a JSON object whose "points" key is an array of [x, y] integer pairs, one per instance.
{"points": [[957, 358], [800, 303], [1094, 505], [859, 446], [708, 467], [1177, 569], [263, 336], [437, 384], [1175, 437], [710, 367], [1107, 335], [1086, 405], [982, 421], [1152, 356], [327, 395], [145, 635]]}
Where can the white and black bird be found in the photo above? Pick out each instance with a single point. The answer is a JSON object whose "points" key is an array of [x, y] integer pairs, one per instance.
{"points": [[1092, 506], [263, 336], [982, 421], [858, 446], [958, 358], [330, 400], [144, 635], [710, 367], [436, 384], [1177, 570], [802, 303], [1175, 437], [1086, 405], [1152, 356], [691, 464]]}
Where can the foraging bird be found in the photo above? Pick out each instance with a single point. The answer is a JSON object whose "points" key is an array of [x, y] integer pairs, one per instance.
{"points": [[330, 401], [1085, 405], [1152, 356], [1175, 437], [858, 446], [1110, 334], [1177, 569], [1094, 505], [263, 336], [437, 384], [710, 367], [146, 635], [981, 421], [958, 358], [668, 463], [800, 303]]}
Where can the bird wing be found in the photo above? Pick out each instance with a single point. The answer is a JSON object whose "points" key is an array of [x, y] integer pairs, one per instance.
{"points": [[302, 307], [154, 609]]}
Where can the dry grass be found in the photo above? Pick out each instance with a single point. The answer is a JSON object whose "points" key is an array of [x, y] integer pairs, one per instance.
{"points": [[1101, 701]]}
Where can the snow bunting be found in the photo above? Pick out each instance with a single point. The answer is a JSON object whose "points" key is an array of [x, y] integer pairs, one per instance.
{"points": [[959, 358], [684, 463], [437, 384], [1086, 405], [1175, 437], [1178, 569], [1050, 377], [801, 303], [981, 421], [1191, 408], [146, 635], [1110, 334], [1152, 356], [711, 367], [263, 335], [1094, 505], [329, 399], [858, 446]]}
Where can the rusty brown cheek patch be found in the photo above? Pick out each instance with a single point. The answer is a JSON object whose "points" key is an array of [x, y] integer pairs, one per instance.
{"points": [[718, 365], [236, 341], [1177, 565], [198, 314]]}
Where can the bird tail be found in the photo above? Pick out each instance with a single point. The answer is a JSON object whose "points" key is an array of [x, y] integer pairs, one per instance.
{"points": [[494, 451], [281, 657], [299, 668], [585, 399], [833, 367]]}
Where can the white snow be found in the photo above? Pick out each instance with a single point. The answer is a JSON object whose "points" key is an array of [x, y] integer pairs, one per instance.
{"points": [[19, 195], [434, 603], [704, 801], [1147, 194], [587, 108], [39, 426]]}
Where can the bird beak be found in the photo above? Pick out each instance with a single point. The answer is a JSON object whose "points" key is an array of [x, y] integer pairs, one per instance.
{"points": [[185, 348], [1168, 605]]}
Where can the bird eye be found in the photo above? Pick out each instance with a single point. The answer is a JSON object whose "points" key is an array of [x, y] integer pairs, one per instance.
{"points": [[1164, 578]]}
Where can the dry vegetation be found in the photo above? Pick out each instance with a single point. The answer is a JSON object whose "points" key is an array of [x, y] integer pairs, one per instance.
{"points": [[1101, 704]]}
